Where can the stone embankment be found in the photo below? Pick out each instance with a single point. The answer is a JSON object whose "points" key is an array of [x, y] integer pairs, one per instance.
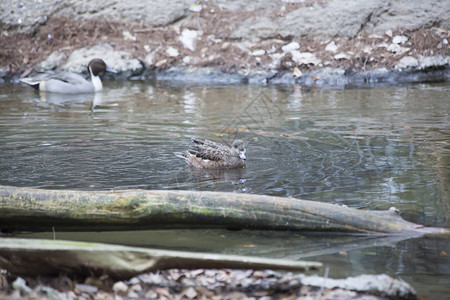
{"points": [[311, 42]]}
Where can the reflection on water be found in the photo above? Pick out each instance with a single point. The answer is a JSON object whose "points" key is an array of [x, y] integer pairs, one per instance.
{"points": [[419, 262], [366, 148]]}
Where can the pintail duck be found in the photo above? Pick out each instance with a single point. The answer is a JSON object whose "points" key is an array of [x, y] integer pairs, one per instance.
{"points": [[206, 154], [70, 83]]}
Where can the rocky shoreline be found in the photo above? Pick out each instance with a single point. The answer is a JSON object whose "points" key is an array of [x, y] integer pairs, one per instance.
{"points": [[218, 284], [307, 42]]}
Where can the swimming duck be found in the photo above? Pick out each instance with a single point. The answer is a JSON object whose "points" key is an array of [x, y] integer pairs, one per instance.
{"points": [[70, 83], [206, 154]]}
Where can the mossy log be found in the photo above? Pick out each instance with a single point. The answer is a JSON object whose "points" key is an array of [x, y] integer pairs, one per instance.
{"points": [[40, 210], [33, 257]]}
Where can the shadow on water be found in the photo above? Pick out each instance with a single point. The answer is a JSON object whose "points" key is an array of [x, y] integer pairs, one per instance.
{"points": [[365, 148]]}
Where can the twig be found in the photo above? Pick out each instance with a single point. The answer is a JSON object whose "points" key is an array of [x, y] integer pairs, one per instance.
{"points": [[325, 276]]}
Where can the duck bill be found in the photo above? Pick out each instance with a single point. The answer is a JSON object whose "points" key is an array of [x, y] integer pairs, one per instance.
{"points": [[242, 155], [108, 69]]}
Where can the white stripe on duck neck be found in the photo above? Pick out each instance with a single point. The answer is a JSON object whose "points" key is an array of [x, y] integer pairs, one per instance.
{"points": [[96, 81]]}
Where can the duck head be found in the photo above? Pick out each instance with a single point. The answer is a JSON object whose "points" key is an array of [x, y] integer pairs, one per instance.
{"points": [[238, 148], [97, 66]]}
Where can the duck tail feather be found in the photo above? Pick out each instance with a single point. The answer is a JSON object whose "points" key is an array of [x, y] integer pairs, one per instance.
{"points": [[31, 82], [182, 155], [198, 141]]}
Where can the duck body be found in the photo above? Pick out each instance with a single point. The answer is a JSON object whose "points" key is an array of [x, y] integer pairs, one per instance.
{"points": [[205, 154], [70, 83]]}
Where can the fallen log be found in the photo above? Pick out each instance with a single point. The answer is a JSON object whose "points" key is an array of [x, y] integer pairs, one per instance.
{"points": [[40, 210], [33, 257]]}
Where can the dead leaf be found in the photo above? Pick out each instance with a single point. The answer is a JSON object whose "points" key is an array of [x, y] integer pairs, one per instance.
{"points": [[204, 292], [163, 292], [247, 246]]}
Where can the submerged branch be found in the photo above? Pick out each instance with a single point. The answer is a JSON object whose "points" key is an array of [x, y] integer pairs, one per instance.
{"points": [[33, 257]]}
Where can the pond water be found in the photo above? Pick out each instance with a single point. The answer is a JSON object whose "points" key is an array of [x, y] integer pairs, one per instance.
{"points": [[365, 148]]}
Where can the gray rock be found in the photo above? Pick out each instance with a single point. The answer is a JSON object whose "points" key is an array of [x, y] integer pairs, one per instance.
{"points": [[26, 15], [410, 15], [341, 56], [396, 48], [372, 284], [305, 58], [258, 52], [329, 73], [437, 61], [335, 18], [172, 52], [21, 285], [256, 29], [118, 60], [86, 288], [331, 47], [51, 293], [120, 288], [149, 59], [290, 47], [399, 39], [380, 71], [407, 62], [341, 18], [193, 75], [189, 38], [53, 61], [152, 12], [248, 5]]}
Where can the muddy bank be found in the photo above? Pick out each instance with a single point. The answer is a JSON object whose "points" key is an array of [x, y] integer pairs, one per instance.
{"points": [[311, 42]]}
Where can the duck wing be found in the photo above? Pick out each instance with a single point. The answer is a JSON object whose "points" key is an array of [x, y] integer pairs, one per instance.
{"points": [[71, 78], [211, 144], [209, 150]]}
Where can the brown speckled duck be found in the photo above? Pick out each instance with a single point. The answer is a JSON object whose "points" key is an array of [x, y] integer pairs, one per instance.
{"points": [[205, 154]]}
